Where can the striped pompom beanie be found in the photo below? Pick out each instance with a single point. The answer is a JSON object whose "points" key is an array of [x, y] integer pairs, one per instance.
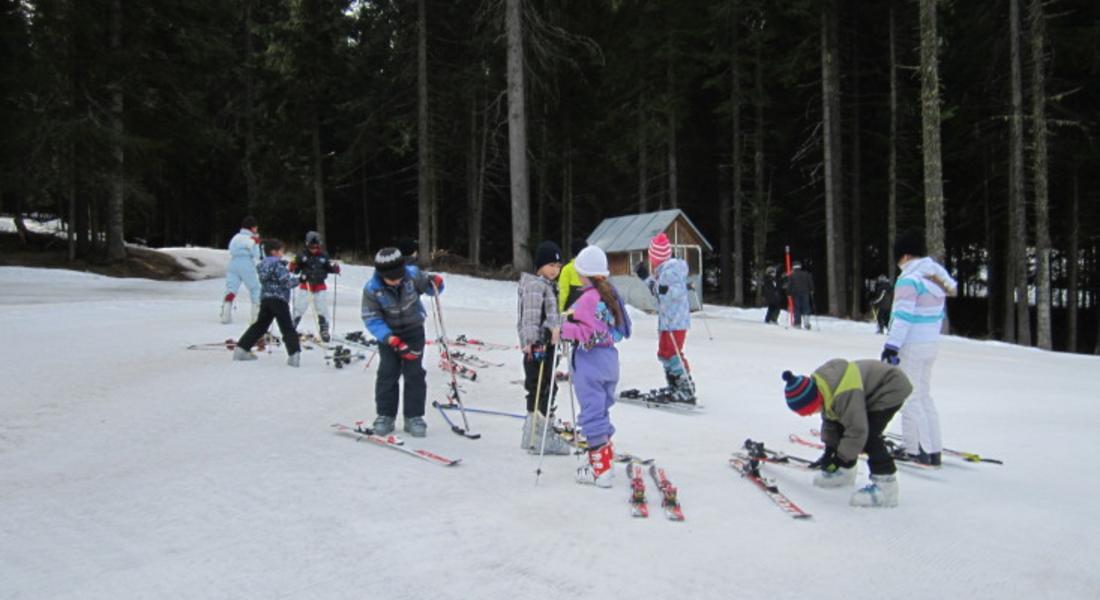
{"points": [[389, 263], [802, 394], [660, 249]]}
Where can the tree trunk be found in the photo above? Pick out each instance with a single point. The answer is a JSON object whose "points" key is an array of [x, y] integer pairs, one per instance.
{"points": [[517, 138], [1073, 268], [425, 184], [830, 98], [760, 208], [318, 178], [543, 192], [673, 181], [1039, 171], [643, 158], [733, 276], [567, 198], [857, 241], [892, 168], [472, 170], [116, 246], [365, 200], [930, 131], [1018, 236], [251, 192]]}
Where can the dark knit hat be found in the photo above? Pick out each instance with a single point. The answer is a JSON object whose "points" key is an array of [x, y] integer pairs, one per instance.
{"points": [[802, 394], [248, 222], [547, 252], [389, 263], [312, 238], [911, 242], [408, 247]]}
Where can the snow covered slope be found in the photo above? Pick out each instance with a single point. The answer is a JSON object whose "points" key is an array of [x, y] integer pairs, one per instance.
{"points": [[131, 467]]}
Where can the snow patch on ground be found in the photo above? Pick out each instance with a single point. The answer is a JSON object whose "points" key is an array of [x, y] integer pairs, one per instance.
{"points": [[131, 467]]}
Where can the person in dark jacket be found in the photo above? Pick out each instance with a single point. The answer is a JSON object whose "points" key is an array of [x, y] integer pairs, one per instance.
{"points": [[275, 284], [312, 266], [393, 314], [773, 296], [882, 297], [801, 290]]}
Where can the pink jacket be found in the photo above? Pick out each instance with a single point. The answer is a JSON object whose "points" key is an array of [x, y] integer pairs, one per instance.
{"points": [[591, 322]]}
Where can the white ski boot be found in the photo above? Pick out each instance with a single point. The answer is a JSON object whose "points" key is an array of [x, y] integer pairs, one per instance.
{"points": [[597, 471], [295, 359], [882, 492], [242, 354], [227, 310], [842, 477]]}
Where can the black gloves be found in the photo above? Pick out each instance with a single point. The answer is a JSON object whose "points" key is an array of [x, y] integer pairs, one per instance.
{"points": [[826, 458], [890, 355]]}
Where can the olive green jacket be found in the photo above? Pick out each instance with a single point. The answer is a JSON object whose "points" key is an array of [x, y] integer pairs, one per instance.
{"points": [[851, 389]]}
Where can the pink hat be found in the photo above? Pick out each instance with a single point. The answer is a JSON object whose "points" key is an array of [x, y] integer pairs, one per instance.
{"points": [[659, 249]]}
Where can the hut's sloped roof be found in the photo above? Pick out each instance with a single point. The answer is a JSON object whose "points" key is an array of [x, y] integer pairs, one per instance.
{"points": [[633, 232]]}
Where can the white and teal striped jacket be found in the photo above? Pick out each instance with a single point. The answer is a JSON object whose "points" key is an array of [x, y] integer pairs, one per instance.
{"points": [[919, 300]]}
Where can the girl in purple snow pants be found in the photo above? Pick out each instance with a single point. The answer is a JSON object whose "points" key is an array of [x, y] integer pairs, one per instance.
{"points": [[595, 376]]}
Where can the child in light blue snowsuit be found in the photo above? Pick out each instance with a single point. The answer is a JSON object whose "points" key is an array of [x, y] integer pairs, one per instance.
{"points": [[598, 320], [244, 255]]}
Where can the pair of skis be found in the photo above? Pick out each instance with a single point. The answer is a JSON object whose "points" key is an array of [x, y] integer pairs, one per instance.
{"points": [[362, 433], [893, 437], [639, 507], [665, 398], [900, 460], [747, 463], [472, 360]]}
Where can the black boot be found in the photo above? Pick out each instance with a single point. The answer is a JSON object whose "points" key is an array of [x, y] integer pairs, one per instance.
{"points": [[322, 324]]}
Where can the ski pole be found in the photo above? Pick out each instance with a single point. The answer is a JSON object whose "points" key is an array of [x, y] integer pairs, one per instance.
{"points": [[702, 313], [442, 331], [549, 410], [335, 288]]}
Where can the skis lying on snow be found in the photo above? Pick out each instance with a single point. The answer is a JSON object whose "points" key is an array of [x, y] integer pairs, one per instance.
{"points": [[462, 340], [967, 456], [448, 365], [670, 502], [638, 506], [658, 398], [362, 433], [343, 356], [231, 344], [904, 461], [472, 360], [758, 451], [749, 468]]}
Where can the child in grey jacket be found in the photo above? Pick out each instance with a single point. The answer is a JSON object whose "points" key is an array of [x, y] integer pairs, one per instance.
{"points": [[856, 400], [538, 327]]}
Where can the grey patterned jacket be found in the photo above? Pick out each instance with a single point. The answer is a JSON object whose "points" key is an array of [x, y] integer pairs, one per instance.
{"points": [[538, 309]]}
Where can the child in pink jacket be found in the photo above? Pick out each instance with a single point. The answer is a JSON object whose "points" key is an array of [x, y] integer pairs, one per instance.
{"points": [[596, 322]]}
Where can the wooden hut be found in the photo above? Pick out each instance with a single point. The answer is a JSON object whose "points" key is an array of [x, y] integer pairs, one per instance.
{"points": [[626, 239]]}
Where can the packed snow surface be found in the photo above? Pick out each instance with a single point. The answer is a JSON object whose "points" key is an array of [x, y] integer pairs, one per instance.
{"points": [[132, 467]]}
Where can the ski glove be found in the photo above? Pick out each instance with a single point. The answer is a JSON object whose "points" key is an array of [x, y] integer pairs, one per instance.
{"points": [[890, 355], [662, 289], [336, 268], [437, 281], [827, 457], [837, 463], [402, 349]]}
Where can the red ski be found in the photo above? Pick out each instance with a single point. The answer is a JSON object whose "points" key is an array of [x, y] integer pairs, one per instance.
{"points": [[362, 433], [638, 507], [669, 499], [750, 469]]}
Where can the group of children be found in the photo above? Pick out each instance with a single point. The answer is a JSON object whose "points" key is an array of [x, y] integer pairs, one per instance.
{"points": [[575, 307]]}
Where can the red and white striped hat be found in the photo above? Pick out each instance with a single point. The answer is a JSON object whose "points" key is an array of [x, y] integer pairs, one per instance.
{"points": [[660, 249]]}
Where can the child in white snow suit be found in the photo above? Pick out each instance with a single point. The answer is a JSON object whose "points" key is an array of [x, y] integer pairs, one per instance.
{"points": [[393, 314], [597, 321], [274, 306], [539, 325], [244, 255], [668, 281], [856, 400], [313, 265], [917, 315]]}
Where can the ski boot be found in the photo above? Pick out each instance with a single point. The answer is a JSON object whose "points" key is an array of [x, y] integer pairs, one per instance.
{"points": [[597, 471], [841, 477], [525, 441], [383, 425], [882, 492], [294, 360], [227, 309], [242, 354], [322, 325], [555, 445], [416, 426]]}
